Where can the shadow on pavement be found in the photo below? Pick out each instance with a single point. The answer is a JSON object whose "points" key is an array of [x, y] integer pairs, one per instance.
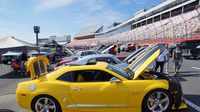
{"points": [[182, 76], [13, 75], [188, 72], [5, 110], [189, 75]]}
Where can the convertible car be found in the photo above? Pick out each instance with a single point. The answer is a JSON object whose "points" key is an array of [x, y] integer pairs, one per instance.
{"points": [[100, 87]]}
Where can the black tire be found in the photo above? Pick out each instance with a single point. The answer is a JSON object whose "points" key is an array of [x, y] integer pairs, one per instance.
{"points": [[145, 107], [57, 105], [195, 57]]}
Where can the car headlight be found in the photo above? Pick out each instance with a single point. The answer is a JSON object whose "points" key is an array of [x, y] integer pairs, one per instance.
{"points": [[32, 87]]}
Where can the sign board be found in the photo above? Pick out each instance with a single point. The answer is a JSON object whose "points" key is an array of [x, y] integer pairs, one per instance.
{"points": [[36, 29]]}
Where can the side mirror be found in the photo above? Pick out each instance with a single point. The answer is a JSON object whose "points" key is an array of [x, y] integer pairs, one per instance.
{"points": [[115, 80], [92, 61]]}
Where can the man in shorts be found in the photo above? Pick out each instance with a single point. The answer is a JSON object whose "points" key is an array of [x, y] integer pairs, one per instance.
{"points": [[177, 59]]}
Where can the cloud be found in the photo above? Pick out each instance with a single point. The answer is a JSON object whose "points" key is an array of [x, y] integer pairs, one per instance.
{"points": [[98, 12], [91, 11], [44, 5]]}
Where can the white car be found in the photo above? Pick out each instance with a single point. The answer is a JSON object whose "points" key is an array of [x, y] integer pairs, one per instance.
{"points": [[7, 57]]}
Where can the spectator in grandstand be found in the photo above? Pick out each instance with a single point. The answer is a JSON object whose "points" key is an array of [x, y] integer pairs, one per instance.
{"points": [[118, 49], [177, 59], [161, 60]]}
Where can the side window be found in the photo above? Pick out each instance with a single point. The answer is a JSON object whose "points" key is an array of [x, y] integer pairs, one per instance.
{"points": [[36, 68], [112, 61], [86, 76], [83, 54], [102, 76], [104, 59], [42, 66], [90, 53], [68, 77]]}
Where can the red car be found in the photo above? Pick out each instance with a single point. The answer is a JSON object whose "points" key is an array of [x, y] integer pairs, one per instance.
{"points": [[130, 47]]}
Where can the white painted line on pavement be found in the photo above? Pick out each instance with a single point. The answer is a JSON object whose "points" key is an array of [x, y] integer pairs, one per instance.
{"points": [[196, 68], [197, 108]]}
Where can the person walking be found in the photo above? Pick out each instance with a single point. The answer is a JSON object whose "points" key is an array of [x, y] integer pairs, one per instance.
{"points": [[177, 59]]}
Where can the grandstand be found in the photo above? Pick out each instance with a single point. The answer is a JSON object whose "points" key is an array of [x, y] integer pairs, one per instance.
{"points": [[169, 21], [88, 32]]}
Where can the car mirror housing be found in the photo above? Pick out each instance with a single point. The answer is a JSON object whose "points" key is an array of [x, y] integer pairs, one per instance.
{"points": [[92, 61], [115, 80]]}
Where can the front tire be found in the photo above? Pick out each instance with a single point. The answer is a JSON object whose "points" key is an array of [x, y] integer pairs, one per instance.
{"points": [[157, 100], [45, 103]]}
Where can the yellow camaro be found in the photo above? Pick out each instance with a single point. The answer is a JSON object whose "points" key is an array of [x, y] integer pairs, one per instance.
{"points": [[100, 87]]}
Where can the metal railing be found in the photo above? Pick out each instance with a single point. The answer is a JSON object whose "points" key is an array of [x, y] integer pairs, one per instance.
{"points": [[182, 26]]}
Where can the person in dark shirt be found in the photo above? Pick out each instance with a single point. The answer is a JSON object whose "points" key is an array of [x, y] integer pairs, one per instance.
{"points": [[24, 58], [177, 59], [118, 49]]}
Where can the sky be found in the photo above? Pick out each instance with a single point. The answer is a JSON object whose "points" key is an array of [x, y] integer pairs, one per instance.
{"points": [[63, 17]]}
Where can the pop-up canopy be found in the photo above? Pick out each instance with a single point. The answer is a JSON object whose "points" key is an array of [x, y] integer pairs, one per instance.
{"points": [[13, 44]]}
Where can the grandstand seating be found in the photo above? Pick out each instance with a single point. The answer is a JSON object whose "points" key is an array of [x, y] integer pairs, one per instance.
{"points": [[183, 25]]}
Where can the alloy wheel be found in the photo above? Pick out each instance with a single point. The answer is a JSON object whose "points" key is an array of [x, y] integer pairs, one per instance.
{"points": [[45, 104], [158, 101]]}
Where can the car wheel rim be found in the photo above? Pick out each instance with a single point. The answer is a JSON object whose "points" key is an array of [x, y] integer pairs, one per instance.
{"points": [[158, 101], [45, 105]]}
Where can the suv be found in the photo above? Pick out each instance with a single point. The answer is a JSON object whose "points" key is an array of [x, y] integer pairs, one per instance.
{"points": [[7, 57]]}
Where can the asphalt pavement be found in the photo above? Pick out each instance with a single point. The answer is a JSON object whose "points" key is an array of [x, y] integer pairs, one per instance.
{"points": [[189, 77]]}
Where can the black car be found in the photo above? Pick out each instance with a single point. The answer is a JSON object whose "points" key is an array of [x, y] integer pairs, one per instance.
{"points": [[196, 52], [186, 47]]}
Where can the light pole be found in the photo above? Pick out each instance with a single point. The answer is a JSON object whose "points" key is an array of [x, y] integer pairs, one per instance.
{"points": [[36, 31]]}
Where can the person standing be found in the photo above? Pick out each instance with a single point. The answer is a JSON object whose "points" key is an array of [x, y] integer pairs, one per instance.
{"points": [[118, 49], [24, 58], [160, 61], [177, 59], [167, 56]]}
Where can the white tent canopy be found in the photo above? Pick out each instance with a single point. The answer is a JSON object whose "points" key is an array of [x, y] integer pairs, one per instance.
{"points": [[13, 44], [9, 42]]}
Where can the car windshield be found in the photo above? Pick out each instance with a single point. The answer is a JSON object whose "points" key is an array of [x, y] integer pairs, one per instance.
{"points": [[116, 60], [118, 71], [44, 49], [198, 47]]}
